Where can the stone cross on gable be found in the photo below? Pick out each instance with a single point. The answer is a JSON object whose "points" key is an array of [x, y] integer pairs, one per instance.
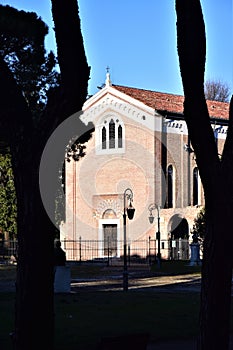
{"points": [[108, 80]]}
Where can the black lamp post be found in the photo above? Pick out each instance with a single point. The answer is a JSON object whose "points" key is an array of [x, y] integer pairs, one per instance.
{"points": [[151, 220], [128, 211]]}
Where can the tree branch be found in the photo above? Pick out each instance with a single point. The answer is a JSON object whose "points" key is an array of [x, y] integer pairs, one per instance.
{"points": [[71, 95], [71, 54], [191, 44]]}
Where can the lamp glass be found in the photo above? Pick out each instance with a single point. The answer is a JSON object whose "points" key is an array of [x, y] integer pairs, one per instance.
{"points": [[130, 211], [151, 219]]}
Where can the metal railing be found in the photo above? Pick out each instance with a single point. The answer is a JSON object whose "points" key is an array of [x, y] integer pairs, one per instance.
{"points": [[138, 251], [110, 251], [8, 251]]}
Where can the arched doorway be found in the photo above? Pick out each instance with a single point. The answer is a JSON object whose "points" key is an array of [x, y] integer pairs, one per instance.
{"points": [[178, 229]]}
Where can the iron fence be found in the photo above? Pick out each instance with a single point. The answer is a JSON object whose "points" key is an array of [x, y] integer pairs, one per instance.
{"points": [[8, 251], [138, 251], [110, 251]]}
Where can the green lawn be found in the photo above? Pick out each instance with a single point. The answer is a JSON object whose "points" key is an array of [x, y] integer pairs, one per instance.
{"points": [[7, 272], [82, 319], [176, 267]]}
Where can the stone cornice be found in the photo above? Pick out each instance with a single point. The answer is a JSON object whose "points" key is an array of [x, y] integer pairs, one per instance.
{"points": [[111, 100]]}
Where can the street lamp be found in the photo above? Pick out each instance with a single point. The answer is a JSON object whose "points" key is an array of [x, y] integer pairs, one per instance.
{"points": [[151, 220], [128, 211]]}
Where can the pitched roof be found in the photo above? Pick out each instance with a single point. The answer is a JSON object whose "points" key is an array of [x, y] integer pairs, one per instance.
{"points": [[171, 103]]}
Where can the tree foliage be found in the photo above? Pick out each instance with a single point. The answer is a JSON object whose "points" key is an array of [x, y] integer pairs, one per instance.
{"points": [[22, 47], [199, 226], [22, 37], [216, 90], [8, 207]]}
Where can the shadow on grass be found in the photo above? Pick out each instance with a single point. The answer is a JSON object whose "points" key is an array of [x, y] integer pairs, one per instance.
{"points": [[83, 319]]}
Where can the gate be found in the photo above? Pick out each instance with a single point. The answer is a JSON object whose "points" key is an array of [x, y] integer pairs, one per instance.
{"points": [[179, 249]]}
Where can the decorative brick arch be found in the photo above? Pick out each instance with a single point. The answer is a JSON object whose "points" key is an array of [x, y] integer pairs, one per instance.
{"points": [[107, 205], [178, 227], [109, 214]]}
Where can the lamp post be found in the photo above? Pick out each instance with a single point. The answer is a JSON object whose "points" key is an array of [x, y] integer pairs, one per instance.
{"points": [[128, 211], [151, 220]]}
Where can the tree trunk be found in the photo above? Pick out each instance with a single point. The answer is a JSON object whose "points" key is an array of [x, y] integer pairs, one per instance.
{"points": [[216, 278], [34, 284], [217, 179], [70, 55]]}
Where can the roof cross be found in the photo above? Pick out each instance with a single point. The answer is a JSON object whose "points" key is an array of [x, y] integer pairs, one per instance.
{"points": [[108, 80]]}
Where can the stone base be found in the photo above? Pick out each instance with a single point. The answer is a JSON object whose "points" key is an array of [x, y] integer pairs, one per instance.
{"points": [[195, 254], [62, 279]]}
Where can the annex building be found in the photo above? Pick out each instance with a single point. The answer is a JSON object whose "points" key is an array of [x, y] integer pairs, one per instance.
{"points": [[140, 143]]}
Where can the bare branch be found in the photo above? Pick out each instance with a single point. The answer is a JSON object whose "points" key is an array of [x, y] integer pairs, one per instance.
{"points": [[217, 90]]}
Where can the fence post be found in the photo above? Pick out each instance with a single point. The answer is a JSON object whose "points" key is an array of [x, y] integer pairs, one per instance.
{"points": [[129, 254], [80, 249], [108, 254], [149, 251]]}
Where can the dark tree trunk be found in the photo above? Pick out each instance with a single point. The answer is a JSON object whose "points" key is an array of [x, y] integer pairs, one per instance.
{"points": [[70, 55], [34, 284], [34, 321], [216, 273], [217, 179]]}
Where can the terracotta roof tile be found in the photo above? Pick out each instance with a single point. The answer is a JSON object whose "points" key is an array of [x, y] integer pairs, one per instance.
{"points": [[172, 103]]}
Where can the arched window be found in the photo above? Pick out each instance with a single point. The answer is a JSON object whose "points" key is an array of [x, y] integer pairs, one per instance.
{"points": [[170, 186], [110, 135], [195, 186], [119, 136], [104, 137]]}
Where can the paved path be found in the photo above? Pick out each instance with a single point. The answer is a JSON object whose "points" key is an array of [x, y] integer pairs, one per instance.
{"points": [[181, 283]]}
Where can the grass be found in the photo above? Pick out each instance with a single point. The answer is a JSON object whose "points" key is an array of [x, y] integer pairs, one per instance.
{"points": [[7, 272], [6, 319], [82, 319], [176, 267]]}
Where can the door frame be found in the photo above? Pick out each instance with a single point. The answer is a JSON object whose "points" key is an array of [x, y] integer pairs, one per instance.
{"points": [[103, 222]]}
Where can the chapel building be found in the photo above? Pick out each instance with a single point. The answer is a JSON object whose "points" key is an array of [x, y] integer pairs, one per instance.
{"points": [[140, 143]]}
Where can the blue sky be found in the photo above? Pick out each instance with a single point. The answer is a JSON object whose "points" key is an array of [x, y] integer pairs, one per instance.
{"points": [[137, 40]]}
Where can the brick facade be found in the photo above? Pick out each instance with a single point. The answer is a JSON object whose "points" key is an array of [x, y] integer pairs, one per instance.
{"points": [[151, 156]]}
